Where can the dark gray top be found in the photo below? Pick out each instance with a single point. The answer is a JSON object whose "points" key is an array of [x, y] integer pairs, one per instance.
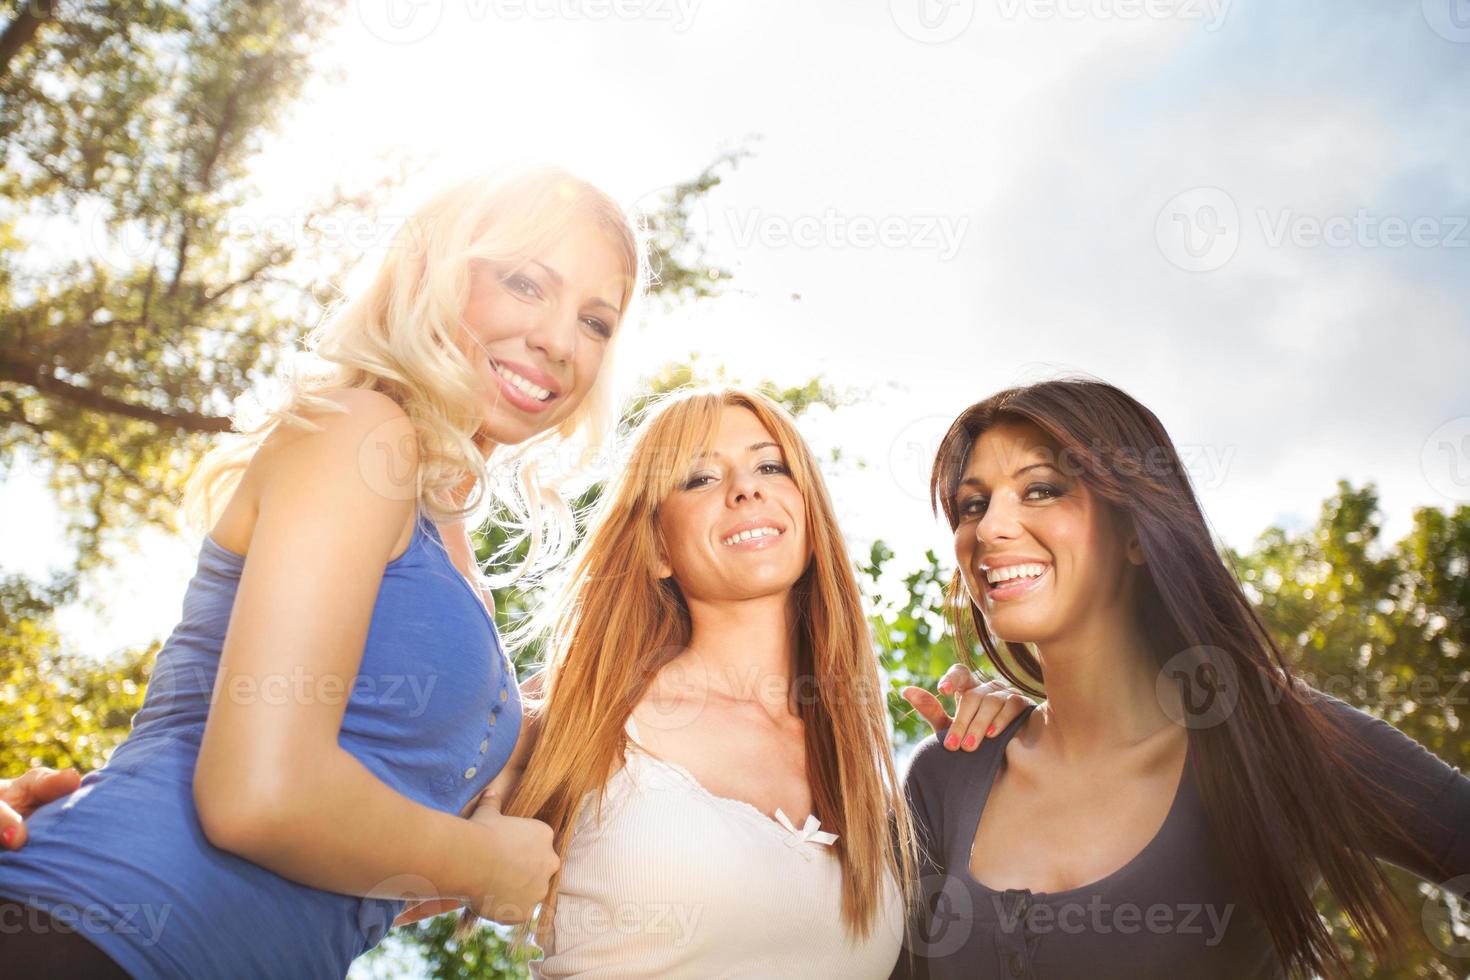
{"points": [[1171, 911]]}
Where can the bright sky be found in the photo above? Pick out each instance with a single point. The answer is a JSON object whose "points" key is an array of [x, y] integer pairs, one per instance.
{"points": [[1250, 215]]}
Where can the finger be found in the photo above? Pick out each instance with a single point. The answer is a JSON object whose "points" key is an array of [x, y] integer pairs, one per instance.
{"points": [[984, 717], [1009, 712], [968, 706], [39, 786], [424, 910], [12, 828], [957, 678], [928, 707], [53, 785]]}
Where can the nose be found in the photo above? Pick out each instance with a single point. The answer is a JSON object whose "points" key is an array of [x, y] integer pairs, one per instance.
{"points": [[554, 335], [744, 488], [999, 523]]}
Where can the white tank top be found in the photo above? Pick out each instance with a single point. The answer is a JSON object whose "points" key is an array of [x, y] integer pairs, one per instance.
{"points": [[676, 882]]}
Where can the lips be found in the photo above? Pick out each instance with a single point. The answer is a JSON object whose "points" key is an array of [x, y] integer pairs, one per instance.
{"points": [[1018, 576], [532, 374], [756, 533], [524, 386]]}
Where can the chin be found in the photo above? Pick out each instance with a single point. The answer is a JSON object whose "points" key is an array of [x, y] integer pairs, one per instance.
{"points": [[512, 432]]}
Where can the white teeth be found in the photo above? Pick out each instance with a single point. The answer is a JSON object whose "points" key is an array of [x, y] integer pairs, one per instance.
{"points": [[1007, 572], [535, 391], [760, 532]]}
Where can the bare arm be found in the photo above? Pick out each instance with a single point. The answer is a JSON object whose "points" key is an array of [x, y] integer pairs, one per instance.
{"points": [[271, 783]]}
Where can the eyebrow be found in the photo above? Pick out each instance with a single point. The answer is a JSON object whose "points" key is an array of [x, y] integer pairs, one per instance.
{"points": [[750, 448], [559, 282], [975, 481]]}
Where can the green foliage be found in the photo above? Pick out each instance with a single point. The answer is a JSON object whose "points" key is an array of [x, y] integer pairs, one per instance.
{"points": [[59, 710], [1384, 629], [129, 129], [914, 642], [681, 270]]}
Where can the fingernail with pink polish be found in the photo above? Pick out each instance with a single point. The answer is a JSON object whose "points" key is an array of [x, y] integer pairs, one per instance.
{"points": [[969, 741], [951, 742], [9, 835]]}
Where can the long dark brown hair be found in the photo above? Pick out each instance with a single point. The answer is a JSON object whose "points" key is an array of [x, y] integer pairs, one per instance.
{"points": [[1274, 772]]}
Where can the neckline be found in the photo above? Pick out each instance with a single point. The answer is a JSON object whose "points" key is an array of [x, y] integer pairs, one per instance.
{"points": [[419, 520], [980, 794], [739, 806], [444, 551]]}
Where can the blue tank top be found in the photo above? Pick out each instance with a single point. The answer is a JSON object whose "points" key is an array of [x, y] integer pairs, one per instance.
{"points": [[433, 712]]}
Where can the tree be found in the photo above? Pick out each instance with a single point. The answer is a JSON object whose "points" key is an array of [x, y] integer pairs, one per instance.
{"points": [[130, 128], [1384, 629]]}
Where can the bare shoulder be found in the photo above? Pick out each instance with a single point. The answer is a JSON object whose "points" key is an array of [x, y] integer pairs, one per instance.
{"points": [[344, 413], [358, 455], [355, 433]]}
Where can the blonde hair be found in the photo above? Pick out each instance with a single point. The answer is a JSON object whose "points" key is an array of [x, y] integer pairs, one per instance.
{"points": [[399, 337], [616, 624]]}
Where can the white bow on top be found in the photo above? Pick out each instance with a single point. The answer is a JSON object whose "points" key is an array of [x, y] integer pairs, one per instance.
{"points": [[808, 831]]}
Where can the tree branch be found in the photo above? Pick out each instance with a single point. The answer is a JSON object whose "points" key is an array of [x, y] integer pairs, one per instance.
{"points": [[22, 31], [39, 377]]}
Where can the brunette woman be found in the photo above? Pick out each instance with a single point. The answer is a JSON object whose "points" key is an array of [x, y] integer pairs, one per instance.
{"points": [[1172, 805]]}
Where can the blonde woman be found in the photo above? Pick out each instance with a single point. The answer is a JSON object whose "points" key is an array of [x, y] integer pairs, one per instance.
{"points": [[713, 753], [335, 694]]}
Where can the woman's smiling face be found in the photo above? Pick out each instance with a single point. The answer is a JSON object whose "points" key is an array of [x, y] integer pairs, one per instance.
{"points": [[736, 527], [537, 333], [1038, 551]]}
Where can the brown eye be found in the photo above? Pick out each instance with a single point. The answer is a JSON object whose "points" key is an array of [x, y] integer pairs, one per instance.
{"points": [[518, 283]]}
